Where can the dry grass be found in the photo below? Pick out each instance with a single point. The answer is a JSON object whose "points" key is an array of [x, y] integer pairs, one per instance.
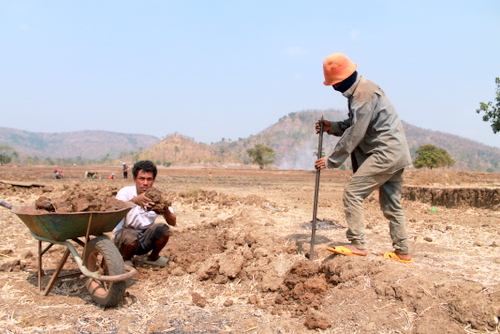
{"points": [[444, 177], [452, 248]]}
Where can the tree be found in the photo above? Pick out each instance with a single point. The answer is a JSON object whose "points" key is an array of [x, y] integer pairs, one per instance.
{"points": [[104, 159], [176, 150], [432, 157], [6, 154], [49, 161], [262, 155], [491, 110], [315, 153]]}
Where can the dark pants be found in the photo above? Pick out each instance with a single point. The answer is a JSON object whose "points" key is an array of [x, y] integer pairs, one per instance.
{"points": [[146, 238]]}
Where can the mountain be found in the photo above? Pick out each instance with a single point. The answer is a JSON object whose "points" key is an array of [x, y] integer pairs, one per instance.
{"points": [[293, 139], [469, 155], [295, 143], [179, 149], [93, 145]]}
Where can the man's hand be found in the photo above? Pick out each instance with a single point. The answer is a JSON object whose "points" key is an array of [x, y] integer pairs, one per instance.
{"points": [[327, 125], [144, 202], [168, 213], [320, 164]]}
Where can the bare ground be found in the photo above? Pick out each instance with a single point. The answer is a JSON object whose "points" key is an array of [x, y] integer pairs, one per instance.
{"points": [[240, 263]]}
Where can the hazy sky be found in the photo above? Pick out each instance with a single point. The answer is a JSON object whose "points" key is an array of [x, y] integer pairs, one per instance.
{"points": [[229, 69]]}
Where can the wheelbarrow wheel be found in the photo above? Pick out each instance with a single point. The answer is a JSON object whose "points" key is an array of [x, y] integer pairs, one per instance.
{"points": [[103, 256]]}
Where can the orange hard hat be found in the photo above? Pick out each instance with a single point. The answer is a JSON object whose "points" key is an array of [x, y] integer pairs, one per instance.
{"points": [[337, 67]]}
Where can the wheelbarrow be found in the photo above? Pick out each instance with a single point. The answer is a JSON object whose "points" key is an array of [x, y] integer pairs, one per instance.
{"points": [[101, 263]]}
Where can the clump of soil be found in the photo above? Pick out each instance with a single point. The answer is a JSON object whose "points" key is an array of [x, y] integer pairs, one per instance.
{"points": [[79, 199], [161, 203], [303, 287], [44, 203]]}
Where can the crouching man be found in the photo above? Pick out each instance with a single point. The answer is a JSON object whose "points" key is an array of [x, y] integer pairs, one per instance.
{"points": [[137, 233]]}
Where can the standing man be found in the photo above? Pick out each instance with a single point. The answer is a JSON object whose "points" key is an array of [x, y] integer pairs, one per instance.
{"points": [[125, 170], [373, 137], [137, 233]]}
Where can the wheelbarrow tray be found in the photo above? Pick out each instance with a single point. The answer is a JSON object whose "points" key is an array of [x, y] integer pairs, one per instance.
{"points": [[64, 226]]}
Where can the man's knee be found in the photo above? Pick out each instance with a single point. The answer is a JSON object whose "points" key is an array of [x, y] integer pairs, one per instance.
{"points": [[161, 230], [391, 205], [352, 198], [357, 191], [126, 237]]}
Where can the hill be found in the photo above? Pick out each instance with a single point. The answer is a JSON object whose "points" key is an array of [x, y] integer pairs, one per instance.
{"points": [[78, 145], [183, 150], [469, 155], [293, 139], [295, 143]]}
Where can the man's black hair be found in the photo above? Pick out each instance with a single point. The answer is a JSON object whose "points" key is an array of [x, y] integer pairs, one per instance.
{"points": [[146, 166]]}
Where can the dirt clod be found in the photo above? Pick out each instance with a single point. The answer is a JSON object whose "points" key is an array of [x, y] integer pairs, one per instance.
{"points": [[316, 319], [198, 299], [44, 203]]}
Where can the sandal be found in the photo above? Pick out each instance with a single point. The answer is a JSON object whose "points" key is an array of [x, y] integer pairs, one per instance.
{"points": [[161, 262]]}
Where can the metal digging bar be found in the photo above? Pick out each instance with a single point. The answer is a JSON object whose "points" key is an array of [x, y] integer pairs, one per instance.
{"points": [[316, 192]]}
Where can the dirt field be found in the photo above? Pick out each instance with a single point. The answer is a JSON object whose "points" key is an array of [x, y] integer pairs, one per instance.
{"points": [[239, 258]]}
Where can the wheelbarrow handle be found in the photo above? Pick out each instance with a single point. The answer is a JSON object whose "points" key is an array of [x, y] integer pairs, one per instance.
{"points": [[130, 271], [5, 204]]}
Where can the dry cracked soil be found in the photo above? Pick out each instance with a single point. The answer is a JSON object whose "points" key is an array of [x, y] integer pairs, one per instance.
{"points": [[240, 257]]}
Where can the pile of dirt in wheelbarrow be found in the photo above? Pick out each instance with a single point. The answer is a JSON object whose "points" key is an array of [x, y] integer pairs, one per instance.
{"points": [[78, 199], [83, 199]]}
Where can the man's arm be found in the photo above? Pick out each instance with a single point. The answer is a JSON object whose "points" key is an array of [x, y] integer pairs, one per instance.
{"points": [[352, 136], [126, 194], [338, 128], [141, 200], [333, 128], [169, 214]]}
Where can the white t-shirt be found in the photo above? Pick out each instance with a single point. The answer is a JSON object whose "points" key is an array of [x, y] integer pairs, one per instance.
{"points": [[136, 218]]}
